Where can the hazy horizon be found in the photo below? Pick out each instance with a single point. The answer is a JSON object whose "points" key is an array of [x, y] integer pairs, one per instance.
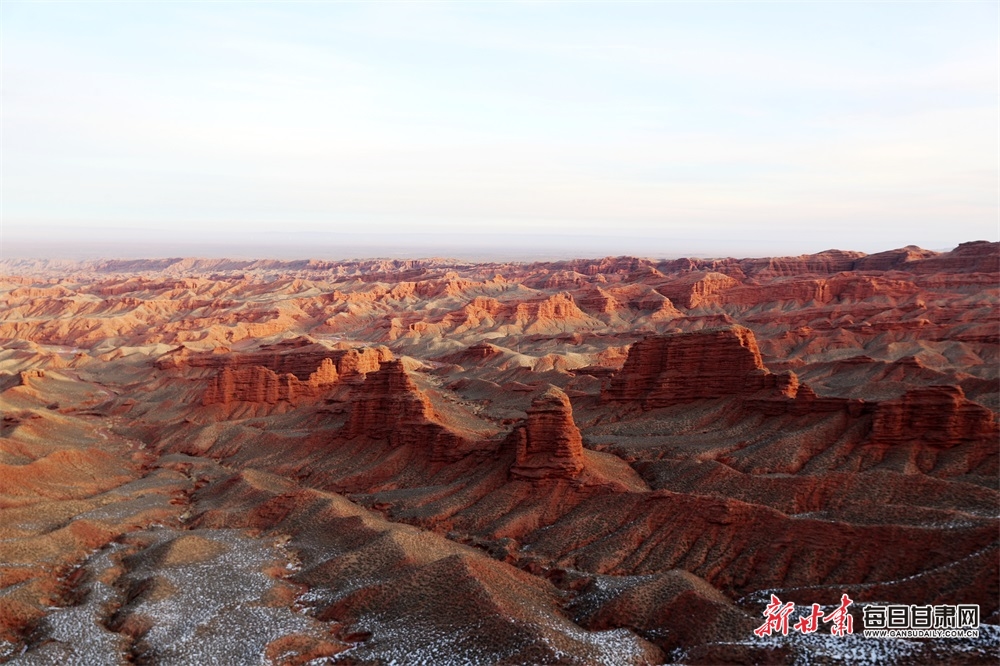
{"points": [[320, 246], [549, 129]]}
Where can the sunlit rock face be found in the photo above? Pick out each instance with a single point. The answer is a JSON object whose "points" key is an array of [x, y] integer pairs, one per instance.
{"points": [[551, 446], [666, 370], [612, 461]]}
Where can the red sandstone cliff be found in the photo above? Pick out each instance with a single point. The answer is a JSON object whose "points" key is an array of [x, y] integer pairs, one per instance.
{"points": [[933, 420], [692, 290], [262, 385], [299, 360], [391, 407], [669, 369], [936, 416], [272, 377], [550, 445]]}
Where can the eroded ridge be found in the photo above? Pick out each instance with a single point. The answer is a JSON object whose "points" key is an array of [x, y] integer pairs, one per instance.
{"points": [[431, 461]]}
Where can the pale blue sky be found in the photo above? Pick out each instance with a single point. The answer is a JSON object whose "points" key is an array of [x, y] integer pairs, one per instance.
{"points": [[666, 128]]}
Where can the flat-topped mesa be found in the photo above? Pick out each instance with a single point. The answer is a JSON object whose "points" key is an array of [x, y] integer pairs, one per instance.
{"points": [[666, 370], [391, 407], [270, 376], [937, 416], [549, 446], [262, 385], [299, 361]]}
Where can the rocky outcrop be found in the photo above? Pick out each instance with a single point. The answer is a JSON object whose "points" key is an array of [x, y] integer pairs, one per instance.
{"points": [[670, 369], [538, 315], [475, 354], [362, 361], [645, 299], [936, 416], [696, 289], [389, 398], [549, 446], [25, 376], [253, 384], [776, 385], [821, 263], [270, 377], [550, 313], [301, 362], [893, 260], [599, 301], [392, 408], [972, 257], [261, 385]]}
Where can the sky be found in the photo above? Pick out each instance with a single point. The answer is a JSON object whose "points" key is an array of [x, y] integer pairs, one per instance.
{"points": [[526, 128]]}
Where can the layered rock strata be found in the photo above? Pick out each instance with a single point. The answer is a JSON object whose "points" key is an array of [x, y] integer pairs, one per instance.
{"points": [[261, 385], [391, 407], [671, 369], [937, 416], [299, 362], [274, 377], [549, 446]]}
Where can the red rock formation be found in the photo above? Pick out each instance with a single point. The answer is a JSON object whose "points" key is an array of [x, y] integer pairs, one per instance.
{"points": [[607, 265], [300, 361], [253, 384], [666, 370], [830, 261], [696, 289], [262, 385], [729, 543], [326, 373], [538, 316], [639, 296], [599, 301], [25, 376], [475, 354], [777, 385], [973, 257], [392, 408], [890, 260], [936, 416], [758, 481], [362, 361], [549, 446], [286, 374]]}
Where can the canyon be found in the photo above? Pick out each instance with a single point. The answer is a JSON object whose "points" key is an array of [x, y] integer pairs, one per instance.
{"points": [[607, 461]]}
